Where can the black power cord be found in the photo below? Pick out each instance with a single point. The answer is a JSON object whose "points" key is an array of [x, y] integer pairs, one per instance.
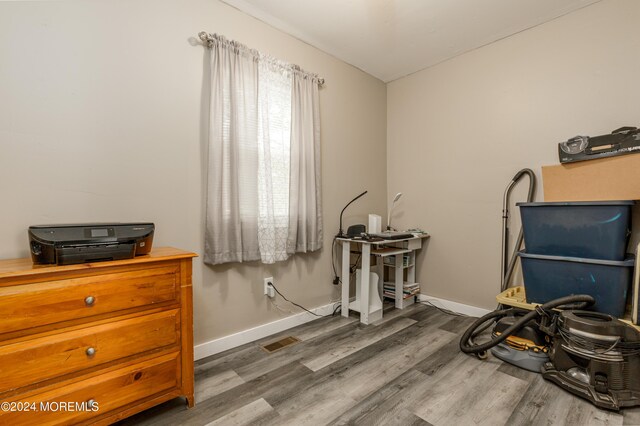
{"points": [[352, 267], [336, 309], [336, 278], [443, 310], [300, 306]]}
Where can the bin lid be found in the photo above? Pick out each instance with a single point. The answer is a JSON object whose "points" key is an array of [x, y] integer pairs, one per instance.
{"points": [[628, 262], [578, 203]]}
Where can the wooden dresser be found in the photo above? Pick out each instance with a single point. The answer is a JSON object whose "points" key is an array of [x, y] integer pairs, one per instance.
{"points": [[95, 342]]}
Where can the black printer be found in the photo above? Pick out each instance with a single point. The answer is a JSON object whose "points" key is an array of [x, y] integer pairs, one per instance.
{"points": [[89, 242]]}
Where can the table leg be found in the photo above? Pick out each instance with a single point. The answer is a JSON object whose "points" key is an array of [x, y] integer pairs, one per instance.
{"points": [[346, 253], [399, 258], [364, 283], [380, 268]]}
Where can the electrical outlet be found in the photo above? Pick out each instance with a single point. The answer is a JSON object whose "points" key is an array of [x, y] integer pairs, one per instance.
{"points": [[268, 288]]}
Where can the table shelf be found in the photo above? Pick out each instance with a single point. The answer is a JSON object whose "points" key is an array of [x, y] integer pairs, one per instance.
{"points": [[403, 266], [389, 251]]}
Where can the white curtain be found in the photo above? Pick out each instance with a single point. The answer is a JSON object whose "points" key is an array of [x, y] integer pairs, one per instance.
{"points": [[263, 195], [305, 221], [274, 161]]}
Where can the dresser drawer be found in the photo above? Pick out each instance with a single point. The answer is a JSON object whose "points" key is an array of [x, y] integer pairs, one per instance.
{"points": [[32, 305], [104, 393], [43, 358]]}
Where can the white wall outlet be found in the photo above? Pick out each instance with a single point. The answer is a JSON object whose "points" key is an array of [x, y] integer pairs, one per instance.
{"points": [[268, 288]]}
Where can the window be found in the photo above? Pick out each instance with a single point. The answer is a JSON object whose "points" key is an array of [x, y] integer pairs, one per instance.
{"points": [[263, 195]]}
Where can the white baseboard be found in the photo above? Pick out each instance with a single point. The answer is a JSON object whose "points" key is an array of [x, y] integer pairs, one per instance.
{"points": [[222, 344], [460, 308]]}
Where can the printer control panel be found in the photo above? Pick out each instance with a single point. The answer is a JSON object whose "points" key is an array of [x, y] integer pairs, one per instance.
{"points": [[102, 232]]}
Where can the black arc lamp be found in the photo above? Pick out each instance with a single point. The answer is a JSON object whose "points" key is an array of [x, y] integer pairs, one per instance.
{"points": [[341, 233]]}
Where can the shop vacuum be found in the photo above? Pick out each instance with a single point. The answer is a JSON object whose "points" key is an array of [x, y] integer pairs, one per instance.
{"points": [[590, 354], [597, 357]]}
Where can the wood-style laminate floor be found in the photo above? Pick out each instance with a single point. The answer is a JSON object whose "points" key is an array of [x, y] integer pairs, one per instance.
{"points": [[404, 370]]}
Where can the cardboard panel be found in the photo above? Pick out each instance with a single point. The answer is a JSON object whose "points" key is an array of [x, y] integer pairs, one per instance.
{"points": [[614, 178]]}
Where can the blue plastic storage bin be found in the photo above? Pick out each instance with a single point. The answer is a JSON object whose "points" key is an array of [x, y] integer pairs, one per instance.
{"points": [[550, 277], [594, 230]]}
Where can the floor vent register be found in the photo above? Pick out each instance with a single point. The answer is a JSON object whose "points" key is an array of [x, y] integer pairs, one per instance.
{"points": [[279, 344]]}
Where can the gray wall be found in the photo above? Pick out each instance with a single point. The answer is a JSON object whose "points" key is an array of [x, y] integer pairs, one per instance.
{"points": [[100, 120], [459, 131]]}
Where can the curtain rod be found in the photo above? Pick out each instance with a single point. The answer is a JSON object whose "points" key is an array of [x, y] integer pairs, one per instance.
{"points": [[207, 39]]}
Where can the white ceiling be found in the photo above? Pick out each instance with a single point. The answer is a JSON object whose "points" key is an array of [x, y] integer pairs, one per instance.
{"points": [[393, 38]]}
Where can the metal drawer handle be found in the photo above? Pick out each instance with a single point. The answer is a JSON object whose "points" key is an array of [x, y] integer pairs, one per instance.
{"points": [[89, 300], [91, 404], [90, 351]]}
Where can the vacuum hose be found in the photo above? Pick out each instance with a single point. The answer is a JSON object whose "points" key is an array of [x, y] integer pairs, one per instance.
{"points": [[507, 266], [467, 346]]}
